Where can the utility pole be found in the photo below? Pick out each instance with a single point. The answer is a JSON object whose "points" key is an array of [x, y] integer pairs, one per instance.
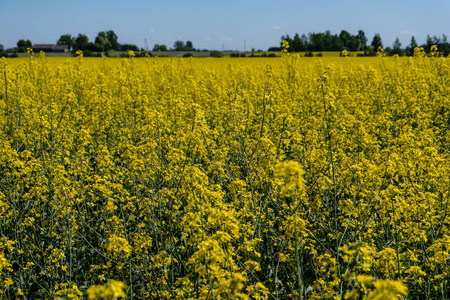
{"points": [[145, 44], [245, 45]]}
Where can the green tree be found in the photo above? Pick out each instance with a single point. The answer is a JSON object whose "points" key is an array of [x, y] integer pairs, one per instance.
{"points": [[297, 43], [328, 41], [95, 47], [101, 42], [128, 47], [429, 43], [163, 48], [345, 37], [113, 39], [81, 42], [336, 43], [362, 39], [66, 39], [179, 46], [411, 46], [2, 48], [413, 43], [376, 42], [444, 46], [22, 45], [397, 47], [317, 41], [215, 53], [189, 46], [353, 44]]}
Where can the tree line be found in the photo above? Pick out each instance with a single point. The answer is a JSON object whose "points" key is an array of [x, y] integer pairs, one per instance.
{"points": [[317, 42], [104, 41], [325, 41]]}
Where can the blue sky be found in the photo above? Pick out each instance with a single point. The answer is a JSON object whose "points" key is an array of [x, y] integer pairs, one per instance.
{"points": [[217, 24]]}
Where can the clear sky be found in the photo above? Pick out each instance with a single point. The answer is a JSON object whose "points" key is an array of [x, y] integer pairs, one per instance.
{"points": [[220, 24]]}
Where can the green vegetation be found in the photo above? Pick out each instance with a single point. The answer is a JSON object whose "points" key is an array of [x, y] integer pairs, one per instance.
{"points": [[324, 42]]}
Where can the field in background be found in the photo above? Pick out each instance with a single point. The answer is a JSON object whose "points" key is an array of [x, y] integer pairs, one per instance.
{"points": [[225, 178], [114, 53]]}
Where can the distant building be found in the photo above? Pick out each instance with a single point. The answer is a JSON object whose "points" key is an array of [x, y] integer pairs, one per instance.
{"points": [[50, 48]]}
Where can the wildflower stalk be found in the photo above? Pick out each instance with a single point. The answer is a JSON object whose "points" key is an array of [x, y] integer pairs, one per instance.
{"points": [[7, 102], [330, 153], [298, 258]]}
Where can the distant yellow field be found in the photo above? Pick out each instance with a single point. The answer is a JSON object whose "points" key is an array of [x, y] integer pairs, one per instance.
{"points": [[229, 178]]}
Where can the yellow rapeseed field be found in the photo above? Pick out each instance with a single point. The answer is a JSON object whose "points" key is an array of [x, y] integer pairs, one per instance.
{"points": [[267, 178]]}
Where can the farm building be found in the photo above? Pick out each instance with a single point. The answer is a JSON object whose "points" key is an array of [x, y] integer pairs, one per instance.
{"points": [[50, 48]]}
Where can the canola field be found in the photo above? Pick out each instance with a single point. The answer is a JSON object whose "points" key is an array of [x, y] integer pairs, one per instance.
{"points": [[159, 178]]}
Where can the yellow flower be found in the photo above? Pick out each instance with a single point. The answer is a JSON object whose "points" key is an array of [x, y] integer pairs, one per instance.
{"points": [[112, 290], [433, 50], [72, 293], [284, 46], [352, 295], [289, 173], [118, 247], [283, 257]]}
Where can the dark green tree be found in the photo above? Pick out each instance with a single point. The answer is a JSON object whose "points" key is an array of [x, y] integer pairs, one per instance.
{"points": [[436, 40], [81, 42], [376, 42], [336, 43], [128, 47], [328, 41], [305, 41], [189, 46], [66, 39], [353, 44], [411, 46], [297, 43], [158, 47], [444, 46], [101, 42], [95, 47], [345, 37], [2, 48], [397, 47], [413, 43], [362, 39], [22, 45], [429, 43], [316, 41], [179, 46], [113, 39]]}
